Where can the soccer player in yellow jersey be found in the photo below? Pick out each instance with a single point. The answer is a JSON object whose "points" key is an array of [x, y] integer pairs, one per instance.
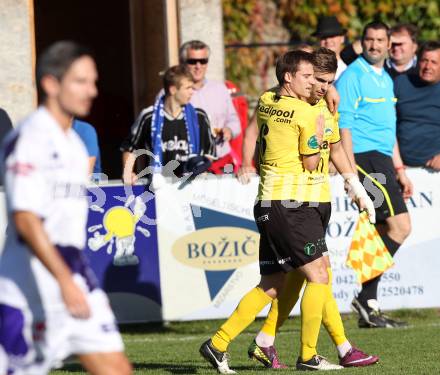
{"points": [[292, 211], [262, 347]]}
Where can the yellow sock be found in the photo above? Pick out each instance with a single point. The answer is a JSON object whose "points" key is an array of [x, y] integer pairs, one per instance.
{"points": [[331, 318], [312, 306], [283, 305], [248, 308]]}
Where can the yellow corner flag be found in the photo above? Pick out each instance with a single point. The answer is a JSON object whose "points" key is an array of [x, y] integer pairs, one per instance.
{"points": [[368, 255]]}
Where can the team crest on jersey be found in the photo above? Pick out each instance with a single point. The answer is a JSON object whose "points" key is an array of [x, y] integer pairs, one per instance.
{"points": [[120, 224], [310, 249], [313, 142]]}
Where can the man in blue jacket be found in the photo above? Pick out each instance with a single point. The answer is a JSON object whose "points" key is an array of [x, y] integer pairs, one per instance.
{"points": [[418, 110]]}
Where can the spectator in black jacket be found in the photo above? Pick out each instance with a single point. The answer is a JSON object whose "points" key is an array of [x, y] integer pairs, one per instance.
{"points": [[171, 129]]}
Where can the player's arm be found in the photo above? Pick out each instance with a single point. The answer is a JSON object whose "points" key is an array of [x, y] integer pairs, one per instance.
{"points": [[332, 98], [355, 189], [310, 143], [341, 161], [30, 228], [311, 162], [28, 193], [248, 150], [405, 182], [347, 144]]}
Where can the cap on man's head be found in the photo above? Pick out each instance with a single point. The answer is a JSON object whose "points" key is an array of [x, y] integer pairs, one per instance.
{"points": [[328, 26]]}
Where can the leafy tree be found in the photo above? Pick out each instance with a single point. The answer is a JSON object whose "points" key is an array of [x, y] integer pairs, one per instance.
{"points": [[258, 21]]}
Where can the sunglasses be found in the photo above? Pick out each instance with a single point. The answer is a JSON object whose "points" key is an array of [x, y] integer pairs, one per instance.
{"points": [[195, 61]]}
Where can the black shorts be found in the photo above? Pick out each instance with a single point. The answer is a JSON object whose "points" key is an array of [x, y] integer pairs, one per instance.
{"points": [[290, 237], [376, 172]]}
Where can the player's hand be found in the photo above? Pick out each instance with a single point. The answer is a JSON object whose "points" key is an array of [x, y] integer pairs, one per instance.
{"points": [[358, 194], [244, 174], [227, 134], [332, 98], [320, 124], [405, 183], [75, 299]]}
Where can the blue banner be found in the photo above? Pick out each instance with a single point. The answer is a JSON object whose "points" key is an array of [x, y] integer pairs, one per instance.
{"points": [[122, 241]]}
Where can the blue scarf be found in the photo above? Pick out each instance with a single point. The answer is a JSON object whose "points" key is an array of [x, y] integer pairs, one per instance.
{"points": [[192, 129]]}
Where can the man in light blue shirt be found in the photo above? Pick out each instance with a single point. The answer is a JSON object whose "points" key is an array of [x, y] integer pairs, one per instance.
{"points": [[368, 129]]}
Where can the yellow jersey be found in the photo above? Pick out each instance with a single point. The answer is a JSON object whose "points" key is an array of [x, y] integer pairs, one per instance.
{"points": [[287, 131]]}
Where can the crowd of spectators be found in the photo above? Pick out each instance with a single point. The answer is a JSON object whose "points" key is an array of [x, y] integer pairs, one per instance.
{"points": [[415, 86]]}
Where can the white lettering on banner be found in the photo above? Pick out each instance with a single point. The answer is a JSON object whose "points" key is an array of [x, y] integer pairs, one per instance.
{"points": [[215, 202], [187, 216], [400, 287]]}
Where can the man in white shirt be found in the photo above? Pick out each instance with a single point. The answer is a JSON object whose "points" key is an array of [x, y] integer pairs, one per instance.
{"points": [[213, 97], [49, 298]]}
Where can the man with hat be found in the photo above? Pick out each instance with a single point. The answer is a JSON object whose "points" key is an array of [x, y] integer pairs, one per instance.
{"points": [[332, 36]]}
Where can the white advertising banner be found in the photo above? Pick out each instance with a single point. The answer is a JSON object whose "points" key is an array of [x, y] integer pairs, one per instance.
{"points": [[208, 248], [413, 281]]}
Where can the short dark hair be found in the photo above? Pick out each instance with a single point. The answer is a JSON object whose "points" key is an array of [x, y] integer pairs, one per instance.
{"points": [[376, 25], [411, 29], [192, 44], [174, 75], [289, 63], [325, 60], [429, 46], [56, 60]]}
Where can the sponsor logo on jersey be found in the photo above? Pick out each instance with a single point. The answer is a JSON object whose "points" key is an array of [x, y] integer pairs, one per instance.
{"points": [[271, 111]]}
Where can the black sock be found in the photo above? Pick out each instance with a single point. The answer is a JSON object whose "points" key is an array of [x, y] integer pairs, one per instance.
{"points": [[368, 291], [369, 288], [391, 245]]}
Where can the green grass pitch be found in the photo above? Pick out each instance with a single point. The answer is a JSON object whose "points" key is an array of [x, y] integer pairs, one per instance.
{"points": [[173, 349]]}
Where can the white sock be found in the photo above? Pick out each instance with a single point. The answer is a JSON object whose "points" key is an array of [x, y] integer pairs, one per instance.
{"points": [[343, 349], [264, 340]]}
